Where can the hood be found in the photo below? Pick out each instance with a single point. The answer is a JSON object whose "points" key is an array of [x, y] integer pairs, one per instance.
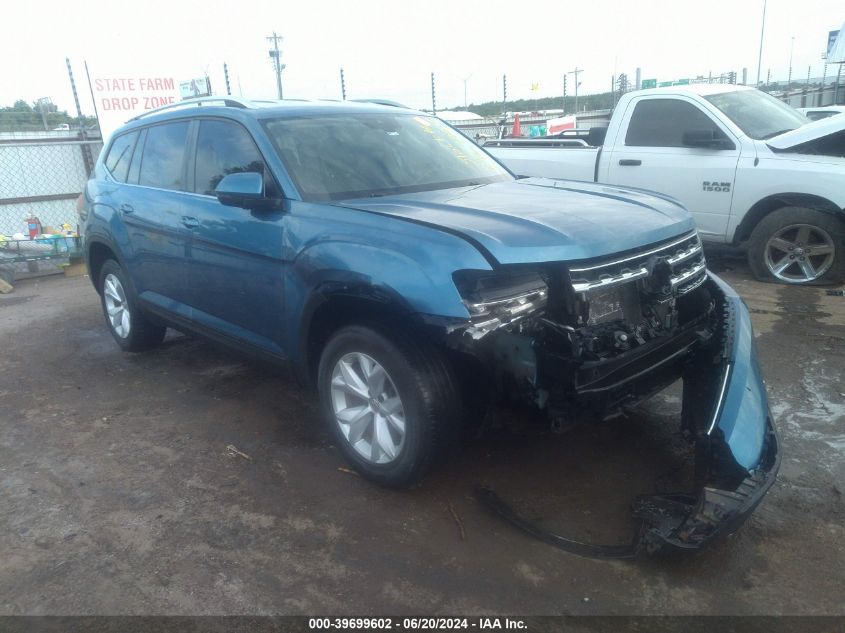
{"points": [[540, 220], [808, 133]]}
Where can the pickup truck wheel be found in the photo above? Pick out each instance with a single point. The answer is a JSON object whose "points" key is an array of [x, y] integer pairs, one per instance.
{"points": [[390, 401], [131, 329], [796, 245]]}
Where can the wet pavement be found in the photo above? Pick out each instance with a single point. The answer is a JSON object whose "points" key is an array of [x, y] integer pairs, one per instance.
{"points": [[190, 480]]}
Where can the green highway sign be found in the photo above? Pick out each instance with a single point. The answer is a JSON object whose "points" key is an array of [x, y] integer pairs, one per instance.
{"points": [[648, 83], [663, 84], [682, 82]]}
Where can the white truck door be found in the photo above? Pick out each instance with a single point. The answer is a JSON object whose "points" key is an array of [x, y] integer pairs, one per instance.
{"points": [[653, 151]]}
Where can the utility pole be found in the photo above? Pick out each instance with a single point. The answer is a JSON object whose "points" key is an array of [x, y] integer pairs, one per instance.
{"points": [[504, 92], [760, 54], [576, 72], [276, 56], [226, 77], [433, 102], [342, 85], [40, 104]]}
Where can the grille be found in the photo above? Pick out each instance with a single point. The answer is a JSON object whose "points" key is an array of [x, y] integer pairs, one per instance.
{"points": [[683, 255]]}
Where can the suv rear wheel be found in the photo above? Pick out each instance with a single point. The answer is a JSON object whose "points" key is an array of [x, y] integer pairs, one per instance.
{"points": [[390, 401], [131, 329], [797, 245]]}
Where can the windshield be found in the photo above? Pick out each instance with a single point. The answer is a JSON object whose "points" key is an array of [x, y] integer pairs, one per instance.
{"points": [[758, 114], [334, 157]]}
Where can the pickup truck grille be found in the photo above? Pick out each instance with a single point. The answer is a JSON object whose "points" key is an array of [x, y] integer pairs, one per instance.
{"points": [[684, 256]]}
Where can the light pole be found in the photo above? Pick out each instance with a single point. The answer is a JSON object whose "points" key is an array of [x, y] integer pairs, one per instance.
{"points": [[791, 49], [465, 80], [760, 54]]}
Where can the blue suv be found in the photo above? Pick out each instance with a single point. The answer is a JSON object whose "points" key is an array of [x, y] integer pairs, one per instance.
{"points": [[412, 279]]}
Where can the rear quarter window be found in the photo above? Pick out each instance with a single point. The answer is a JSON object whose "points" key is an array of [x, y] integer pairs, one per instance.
{"points": [[120, 154]]}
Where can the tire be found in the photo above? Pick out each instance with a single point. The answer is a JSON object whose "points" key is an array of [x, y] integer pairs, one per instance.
{"points": [[422, 379], [132, 331], [780, 239]]}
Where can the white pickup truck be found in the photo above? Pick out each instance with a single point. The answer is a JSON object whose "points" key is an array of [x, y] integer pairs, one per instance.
{"points": [[753, 171]]}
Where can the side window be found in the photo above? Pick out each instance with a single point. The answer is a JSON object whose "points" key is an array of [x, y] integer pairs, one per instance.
{"points": [[225, 148], [135, 165], [662, 123], [120, 153], [164, 150]]}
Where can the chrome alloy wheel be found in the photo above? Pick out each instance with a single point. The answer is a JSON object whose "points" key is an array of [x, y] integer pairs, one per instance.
{"points": [[800, 253], [114, 297], [367, 408]]}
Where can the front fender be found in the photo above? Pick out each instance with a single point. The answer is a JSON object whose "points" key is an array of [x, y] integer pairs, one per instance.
{"points": [[366, 254]]}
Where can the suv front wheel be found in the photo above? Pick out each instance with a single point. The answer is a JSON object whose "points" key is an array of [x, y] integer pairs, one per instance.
{"points": [[390, 401], [131, 329]]}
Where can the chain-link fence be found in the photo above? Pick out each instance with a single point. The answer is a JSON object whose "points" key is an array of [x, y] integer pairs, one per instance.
{"points": [[40, 180]]}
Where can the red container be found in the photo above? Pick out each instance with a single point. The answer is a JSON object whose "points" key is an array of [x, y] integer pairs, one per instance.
{"points": [[33, 225]]}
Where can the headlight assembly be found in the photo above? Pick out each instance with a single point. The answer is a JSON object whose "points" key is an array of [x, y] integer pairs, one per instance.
{"points": [[498, 299]]}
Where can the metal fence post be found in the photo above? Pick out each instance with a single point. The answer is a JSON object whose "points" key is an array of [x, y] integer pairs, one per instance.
{"points": [[87, 159]]}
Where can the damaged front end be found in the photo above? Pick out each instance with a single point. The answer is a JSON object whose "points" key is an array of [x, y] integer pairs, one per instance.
{"points": [[583, 340]]}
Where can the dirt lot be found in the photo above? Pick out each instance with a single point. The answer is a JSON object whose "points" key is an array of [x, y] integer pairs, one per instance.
{"points": [[118, 493]]}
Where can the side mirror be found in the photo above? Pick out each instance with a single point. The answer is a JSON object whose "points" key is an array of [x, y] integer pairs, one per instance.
{"points": [[245, 190], [709, 139]]}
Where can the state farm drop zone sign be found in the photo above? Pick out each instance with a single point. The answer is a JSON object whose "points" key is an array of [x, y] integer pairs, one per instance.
{"points": [[144, 92], [119, 98]]}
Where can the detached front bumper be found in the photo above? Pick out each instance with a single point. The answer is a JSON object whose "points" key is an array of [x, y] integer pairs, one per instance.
{"points": [[726, 412], [737, 447], [683, 522]]}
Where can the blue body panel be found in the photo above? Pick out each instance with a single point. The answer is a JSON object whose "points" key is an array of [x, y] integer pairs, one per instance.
{"points": [[538, 220], [744, 412]]}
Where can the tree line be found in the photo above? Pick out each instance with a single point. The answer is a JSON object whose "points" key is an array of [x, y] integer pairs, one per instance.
{"points": [[39, 115]]}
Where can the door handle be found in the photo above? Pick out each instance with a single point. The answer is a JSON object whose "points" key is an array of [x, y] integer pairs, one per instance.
{"points": [[630, 162], [127, 208], [190, 221]]}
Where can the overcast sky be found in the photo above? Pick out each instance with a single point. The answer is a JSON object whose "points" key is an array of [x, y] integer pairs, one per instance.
{"points": [[388, 49]]}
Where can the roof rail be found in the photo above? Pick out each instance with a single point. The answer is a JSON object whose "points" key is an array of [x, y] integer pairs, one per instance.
{"points": [[232, 102], [384, 102]]}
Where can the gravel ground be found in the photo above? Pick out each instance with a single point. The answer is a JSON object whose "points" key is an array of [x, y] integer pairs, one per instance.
{"points": [[193, 481]]}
